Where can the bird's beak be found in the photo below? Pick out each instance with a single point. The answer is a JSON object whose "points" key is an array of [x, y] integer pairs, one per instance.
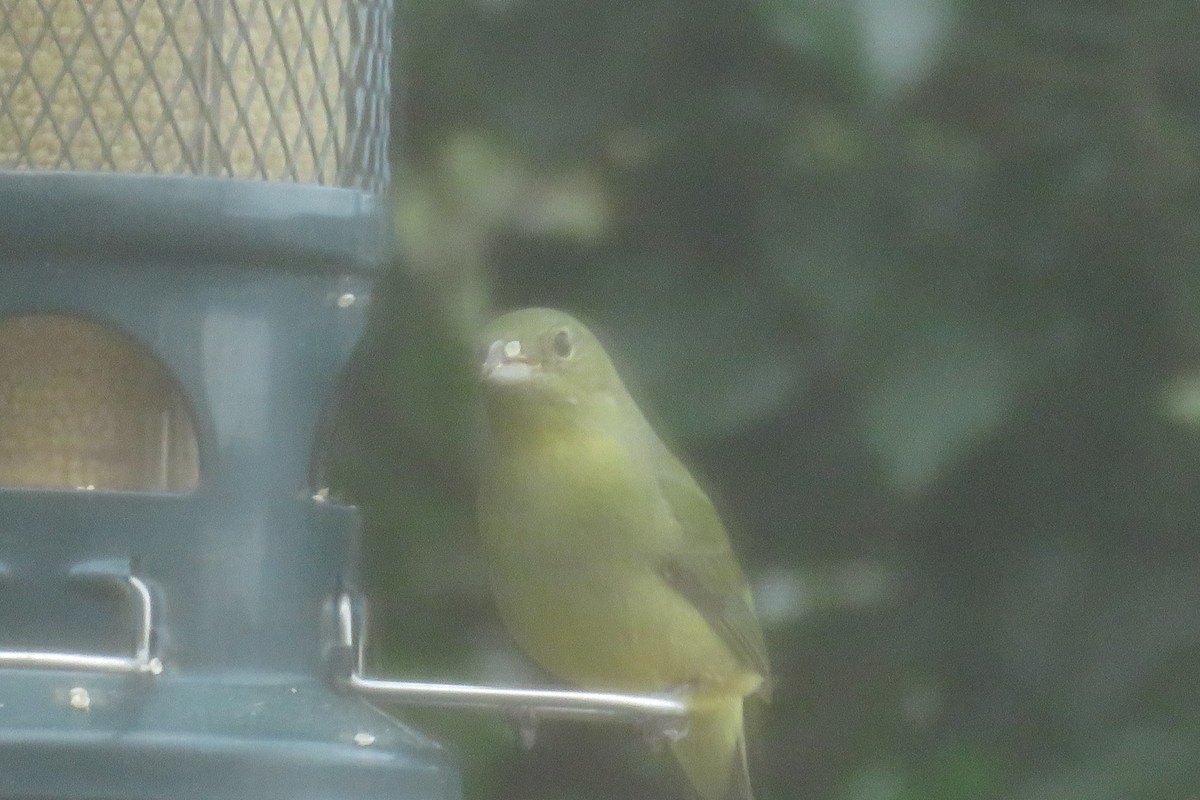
{"points": [[505, 364]]}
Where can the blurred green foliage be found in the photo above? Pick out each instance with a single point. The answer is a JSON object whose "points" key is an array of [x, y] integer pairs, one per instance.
{"points": [[914, 284]]}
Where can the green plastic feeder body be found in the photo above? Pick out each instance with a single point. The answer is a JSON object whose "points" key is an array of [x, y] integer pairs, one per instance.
{"points": [[250, 295]]}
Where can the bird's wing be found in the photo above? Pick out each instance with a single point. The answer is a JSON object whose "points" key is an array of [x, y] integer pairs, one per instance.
{"points": [[704, 570]]}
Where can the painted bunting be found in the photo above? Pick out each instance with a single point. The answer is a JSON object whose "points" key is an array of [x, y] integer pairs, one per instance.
{"points": [[608, 563]]}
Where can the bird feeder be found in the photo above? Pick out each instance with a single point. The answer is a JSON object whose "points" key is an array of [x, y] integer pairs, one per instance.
{"points": [[191, 221], [191, 218]]}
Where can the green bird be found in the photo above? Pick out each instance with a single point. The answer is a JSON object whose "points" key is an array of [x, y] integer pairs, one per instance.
{"points": [[608, 563]]}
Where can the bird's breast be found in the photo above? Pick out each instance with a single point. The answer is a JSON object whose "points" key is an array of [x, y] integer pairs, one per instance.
{"points": [[572, 495]]}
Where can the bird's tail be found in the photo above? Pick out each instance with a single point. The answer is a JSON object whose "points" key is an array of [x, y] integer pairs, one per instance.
{"points": [[713, 751]]}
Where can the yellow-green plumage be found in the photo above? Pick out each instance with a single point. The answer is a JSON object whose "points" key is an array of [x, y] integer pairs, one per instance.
{"points": [[608, 563]]}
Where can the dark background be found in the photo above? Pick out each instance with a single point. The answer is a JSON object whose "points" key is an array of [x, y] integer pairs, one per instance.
{"points": [[913, 285]]}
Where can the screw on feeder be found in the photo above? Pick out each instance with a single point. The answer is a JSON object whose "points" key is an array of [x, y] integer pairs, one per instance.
{"points": [[79, 698]]}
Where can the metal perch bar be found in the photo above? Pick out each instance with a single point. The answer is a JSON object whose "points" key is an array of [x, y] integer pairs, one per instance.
{"points": [[143, 661], [668, 711]]}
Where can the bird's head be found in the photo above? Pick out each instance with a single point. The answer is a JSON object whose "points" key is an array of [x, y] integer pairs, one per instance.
{"points": [[540, 357]]}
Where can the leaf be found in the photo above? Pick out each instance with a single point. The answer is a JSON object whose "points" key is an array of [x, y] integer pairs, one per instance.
{"points": [[943, 391]]}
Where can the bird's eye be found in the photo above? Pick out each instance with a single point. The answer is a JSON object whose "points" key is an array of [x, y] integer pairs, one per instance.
{"points": [[561, 343]]}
